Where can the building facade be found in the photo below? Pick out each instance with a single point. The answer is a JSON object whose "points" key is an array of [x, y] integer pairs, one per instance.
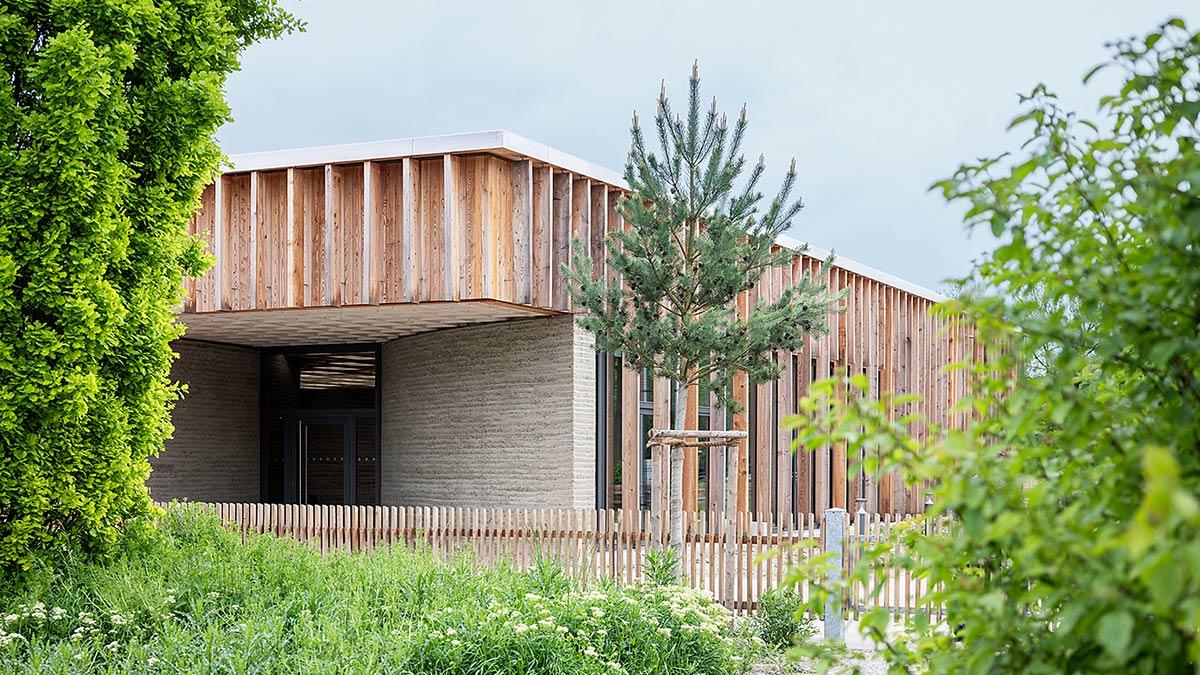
{"points": [[388, 323]]}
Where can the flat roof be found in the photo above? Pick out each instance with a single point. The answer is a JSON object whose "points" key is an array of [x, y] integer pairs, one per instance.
{"points": [[506, 142]]}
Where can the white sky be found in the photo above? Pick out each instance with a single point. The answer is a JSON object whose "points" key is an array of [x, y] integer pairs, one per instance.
{"points": [[875, 100]]}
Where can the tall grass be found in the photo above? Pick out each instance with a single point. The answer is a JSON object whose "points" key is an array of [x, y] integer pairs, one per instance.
{"points": [[189, 596]]}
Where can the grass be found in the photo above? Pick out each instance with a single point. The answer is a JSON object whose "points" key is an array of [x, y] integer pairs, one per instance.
{"points": [[189, 596]]}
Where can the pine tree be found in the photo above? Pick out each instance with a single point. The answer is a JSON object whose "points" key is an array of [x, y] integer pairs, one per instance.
{"points": [[696, 239]]}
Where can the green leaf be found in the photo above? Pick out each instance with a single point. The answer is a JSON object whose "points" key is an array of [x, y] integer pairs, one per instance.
{"points": [[1164, 577], [1091, 73], [1114, 631]]}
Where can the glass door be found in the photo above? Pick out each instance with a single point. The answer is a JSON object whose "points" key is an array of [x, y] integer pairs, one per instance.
{"points": [[322, 465]]}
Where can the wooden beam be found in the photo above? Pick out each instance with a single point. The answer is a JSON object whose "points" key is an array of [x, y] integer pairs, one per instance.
{"points": [[330, 294], [221, 268], [450, 233], [370, 266], [412, 253], [741, 396], [542, 237], [561, 227], [581, 219], [631, 456], [599, 229], [522, 227], [295, 245], [257, 232]]}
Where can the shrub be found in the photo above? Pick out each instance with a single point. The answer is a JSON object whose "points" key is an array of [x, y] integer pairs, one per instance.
{"points": [[108, 114], [662, 566], [193, 597], [780, 620], [1074, 480]]}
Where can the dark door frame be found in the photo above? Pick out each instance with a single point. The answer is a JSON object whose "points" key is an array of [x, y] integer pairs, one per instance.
{"points": [[266, 414]]}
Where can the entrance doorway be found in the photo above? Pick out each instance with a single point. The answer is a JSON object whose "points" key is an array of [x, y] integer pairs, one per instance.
{"points": [[321, 408]]}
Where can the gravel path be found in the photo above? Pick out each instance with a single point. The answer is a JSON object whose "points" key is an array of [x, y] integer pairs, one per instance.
{"points": [[868, 664], [863, 655]]}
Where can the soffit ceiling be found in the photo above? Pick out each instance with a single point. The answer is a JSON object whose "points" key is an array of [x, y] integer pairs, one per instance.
{"points": [[343, 325]]}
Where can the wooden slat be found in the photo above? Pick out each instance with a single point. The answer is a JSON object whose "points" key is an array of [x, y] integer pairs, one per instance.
{"points": [[204, 225], [429, 214], [561, 240], [522, 231], [599, 229], [372, 251], [412, 254], [450, 237], [631, 459], [542, 242], [348, 230], [741, 396]]}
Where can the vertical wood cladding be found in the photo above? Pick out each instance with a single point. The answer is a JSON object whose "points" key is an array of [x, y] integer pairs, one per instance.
{"points": [[480, 226]]}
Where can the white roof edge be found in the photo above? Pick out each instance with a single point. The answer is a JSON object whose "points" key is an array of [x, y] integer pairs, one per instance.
{"points": [[861, 269], [481, 141]]}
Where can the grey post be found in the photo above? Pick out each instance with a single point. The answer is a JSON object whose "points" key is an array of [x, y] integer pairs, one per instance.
{"points": [[835, 535]]}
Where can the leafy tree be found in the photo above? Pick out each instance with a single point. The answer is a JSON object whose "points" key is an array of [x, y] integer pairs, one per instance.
{"points": [[1075, 488], [695, 240], [106, 139]]}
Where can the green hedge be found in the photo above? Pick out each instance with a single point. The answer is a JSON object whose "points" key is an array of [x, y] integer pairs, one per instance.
{"points": [[106, 126]]}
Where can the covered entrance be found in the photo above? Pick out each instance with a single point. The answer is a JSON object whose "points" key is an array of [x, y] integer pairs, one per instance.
{"points": [[321, 418]]}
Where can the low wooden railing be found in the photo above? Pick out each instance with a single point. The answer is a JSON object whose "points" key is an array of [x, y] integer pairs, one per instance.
{"points": [[589, 543]]}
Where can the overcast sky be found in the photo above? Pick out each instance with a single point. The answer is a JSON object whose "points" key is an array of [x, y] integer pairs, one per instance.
{"points": [[875, 100]]}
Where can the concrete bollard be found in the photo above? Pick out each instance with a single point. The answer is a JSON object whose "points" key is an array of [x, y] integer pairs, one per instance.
{"points": [[835, 536]]}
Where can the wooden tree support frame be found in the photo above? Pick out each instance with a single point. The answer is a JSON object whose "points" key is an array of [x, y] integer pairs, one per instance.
{"points": [[671, 443]]}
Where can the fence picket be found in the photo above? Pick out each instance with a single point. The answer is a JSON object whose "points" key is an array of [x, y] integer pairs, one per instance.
{"points": [[611, 543]]}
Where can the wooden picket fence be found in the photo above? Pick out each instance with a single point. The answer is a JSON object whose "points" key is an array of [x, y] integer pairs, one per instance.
{"points": [[593, 543]]}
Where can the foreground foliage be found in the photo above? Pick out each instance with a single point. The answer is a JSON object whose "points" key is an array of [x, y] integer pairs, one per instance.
{"points": [[191, 597], [106, 123], [1074, 484]]}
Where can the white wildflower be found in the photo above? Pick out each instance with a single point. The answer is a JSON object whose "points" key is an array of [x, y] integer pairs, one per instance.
{"points": [[152, 661], [456, 642], [451, 631], [590, 651], [112, 646]]}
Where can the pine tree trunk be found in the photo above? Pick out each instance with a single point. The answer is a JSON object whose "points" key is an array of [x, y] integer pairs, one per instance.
{"points": [[731, 507], [675, 540]]}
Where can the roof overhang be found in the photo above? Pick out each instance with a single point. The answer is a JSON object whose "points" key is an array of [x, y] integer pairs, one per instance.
{"points": [[349, 324]]}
